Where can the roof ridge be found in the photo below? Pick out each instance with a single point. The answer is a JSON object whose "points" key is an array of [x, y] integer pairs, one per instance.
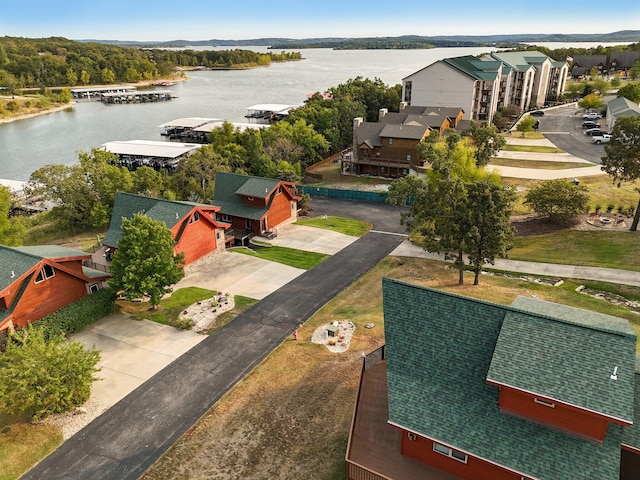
{"points": [[22, 252], [157, 199]]}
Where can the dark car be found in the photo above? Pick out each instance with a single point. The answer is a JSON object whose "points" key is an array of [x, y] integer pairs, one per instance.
{"points": [[537, 113], [590, 124], [595, 132]]}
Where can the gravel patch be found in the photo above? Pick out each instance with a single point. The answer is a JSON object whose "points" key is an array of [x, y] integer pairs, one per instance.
{"points": [[75, 420], [338, 343]]}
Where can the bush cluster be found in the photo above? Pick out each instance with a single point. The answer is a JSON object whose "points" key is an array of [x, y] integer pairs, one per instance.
{"points": [[77, 315]]}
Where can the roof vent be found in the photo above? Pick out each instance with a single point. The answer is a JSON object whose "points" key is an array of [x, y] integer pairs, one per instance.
{"points": [[177, 216], [13, 274], [614, 375]]}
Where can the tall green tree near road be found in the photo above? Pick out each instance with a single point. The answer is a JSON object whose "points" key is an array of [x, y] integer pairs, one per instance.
{"points": [[590, 101], [560, 200], [486, 140], [457, 208], [622, 156], [145, 263], [526, 124], [41, 377]]}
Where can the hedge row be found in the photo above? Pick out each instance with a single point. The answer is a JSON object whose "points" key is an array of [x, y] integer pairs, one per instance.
{"points": [[75, 316]]}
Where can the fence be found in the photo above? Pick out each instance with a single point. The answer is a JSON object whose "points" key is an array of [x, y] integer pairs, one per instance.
{"points": [[361, 196]]}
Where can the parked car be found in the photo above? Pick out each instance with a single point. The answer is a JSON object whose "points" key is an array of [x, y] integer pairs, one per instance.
{"points": [[590, 124], [595, 132], [592, 116], [598, 139], [537, 113]]}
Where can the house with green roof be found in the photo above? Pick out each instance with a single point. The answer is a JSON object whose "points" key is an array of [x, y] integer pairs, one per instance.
{"points": [[39, 280], [467, 389], [194, 226], [254, 205], [482, 85]]}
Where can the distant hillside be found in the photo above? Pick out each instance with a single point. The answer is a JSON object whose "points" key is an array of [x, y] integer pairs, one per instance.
{"points": [[405, 41]]}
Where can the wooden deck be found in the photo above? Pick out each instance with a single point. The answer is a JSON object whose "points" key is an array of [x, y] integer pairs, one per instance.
{"points": [[374, 444]]}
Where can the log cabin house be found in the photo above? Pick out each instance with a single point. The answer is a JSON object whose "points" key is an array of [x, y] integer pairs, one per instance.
{"points": [[38, 280], [467, 389], [193, 225]]}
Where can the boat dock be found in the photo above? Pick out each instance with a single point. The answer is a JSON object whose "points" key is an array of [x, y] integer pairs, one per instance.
{"points": [[136, 96], [157, 155], [268, 112], [96, 92], [197, 129]]}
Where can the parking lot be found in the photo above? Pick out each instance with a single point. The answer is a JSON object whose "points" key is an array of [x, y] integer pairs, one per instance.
{"points": [[563, 127]]}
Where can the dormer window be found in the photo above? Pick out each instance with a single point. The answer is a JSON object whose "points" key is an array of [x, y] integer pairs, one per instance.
{"points": [[195, 217], [46, 273]]}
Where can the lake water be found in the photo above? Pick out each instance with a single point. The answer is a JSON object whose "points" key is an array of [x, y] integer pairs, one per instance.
{"points": [[27, 145]]}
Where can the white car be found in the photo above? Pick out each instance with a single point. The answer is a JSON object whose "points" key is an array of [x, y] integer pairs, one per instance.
{"points": [[592, 116], [598, 139]]}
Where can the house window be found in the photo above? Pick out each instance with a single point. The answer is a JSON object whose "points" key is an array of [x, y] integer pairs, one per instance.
{"points": [[461, 457], [544, 402], [46, 273], [94, 288], [217, 234], [391, 141], [279, 189], [407, 91], [247, 224], [411, 436], [381, 169], [408, 158], [377, 154], [250, 199], [226, 218], [195, 218]]}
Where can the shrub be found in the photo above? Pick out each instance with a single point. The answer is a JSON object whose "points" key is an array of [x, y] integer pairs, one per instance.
{"points": [[41, 377], [77, 315], [560, 200]]}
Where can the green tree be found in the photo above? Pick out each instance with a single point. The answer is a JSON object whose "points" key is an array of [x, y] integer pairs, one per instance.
{"points": [[634, 72], [573, 90], [145, 263], [488, 231], [486, 140], [590, 101], [85, 77], [560, 200], [622, 156], [41, 377], [147, 181], [526, 124], [107, 76], [445, 214], [11, 229], [195, 177], [600, 85], [65, 96], [630, 91], [72, 77], [615, 81]]}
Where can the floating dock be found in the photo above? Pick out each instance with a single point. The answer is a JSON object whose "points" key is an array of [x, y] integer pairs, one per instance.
{"points": [[136, 96], [95, 92], [197, 129], [158, 155], [268, 112]]}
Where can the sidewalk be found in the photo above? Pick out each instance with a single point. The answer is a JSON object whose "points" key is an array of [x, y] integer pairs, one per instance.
{"points": [[611, 275]]}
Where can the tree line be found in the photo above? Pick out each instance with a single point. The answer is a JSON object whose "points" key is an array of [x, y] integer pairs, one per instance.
{"points": [[57, 61]]}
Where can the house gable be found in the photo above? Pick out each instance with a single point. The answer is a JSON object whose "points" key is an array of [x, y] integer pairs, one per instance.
{"points": [[439, 348]]}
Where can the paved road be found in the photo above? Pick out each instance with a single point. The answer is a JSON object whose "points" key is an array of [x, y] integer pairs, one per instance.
{"points": [[126, 440]]}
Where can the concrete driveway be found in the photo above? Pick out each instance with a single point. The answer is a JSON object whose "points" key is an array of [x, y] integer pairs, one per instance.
{"points": [[132, 351]]}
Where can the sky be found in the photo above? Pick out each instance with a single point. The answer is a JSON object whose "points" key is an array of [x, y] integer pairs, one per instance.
{"points": [[161, 20]]}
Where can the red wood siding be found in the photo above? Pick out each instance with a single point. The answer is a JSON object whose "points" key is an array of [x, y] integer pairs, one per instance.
{"points": [[629, 464], [254, 202], [48, 296], [197, 239], [475, 469], [280, 210], [564, 417]]}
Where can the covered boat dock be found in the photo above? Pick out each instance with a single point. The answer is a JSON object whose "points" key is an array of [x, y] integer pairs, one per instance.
{"points": [[197, 129], [268, 112], [136, 96], [158, 155]]}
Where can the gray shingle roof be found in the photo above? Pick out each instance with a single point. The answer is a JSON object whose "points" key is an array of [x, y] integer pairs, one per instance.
{"points": [[439, 348], [631, 434], [127, 205], [410, 132]]}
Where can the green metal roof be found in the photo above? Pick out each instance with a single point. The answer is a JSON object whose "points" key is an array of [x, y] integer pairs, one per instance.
{"points": [[127, 205], [51, 251], [568, 361], [631, 435], [229, 188], [439, 347], [474, 67], [521, 61]]}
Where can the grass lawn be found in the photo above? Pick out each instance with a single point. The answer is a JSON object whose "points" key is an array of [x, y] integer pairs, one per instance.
{"points": [[23, 444], [168, 312], [290, 417], [527, 135], [531, 148], [348, 226], [612, 249], [539, 164], [288, 256]]}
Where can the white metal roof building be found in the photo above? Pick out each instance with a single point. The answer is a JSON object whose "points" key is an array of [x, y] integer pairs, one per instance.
{"points": [[135, 153]]}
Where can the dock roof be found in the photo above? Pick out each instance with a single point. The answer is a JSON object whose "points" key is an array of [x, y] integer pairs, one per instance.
{"points": [[147, 148], [188, 122], [271, 107]]}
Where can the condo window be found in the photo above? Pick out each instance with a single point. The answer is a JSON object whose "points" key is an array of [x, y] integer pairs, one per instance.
{"points": [[391, 141], [461, 457]]}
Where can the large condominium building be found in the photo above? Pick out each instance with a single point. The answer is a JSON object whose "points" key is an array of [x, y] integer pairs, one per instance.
{"points": [[482, 85]]}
